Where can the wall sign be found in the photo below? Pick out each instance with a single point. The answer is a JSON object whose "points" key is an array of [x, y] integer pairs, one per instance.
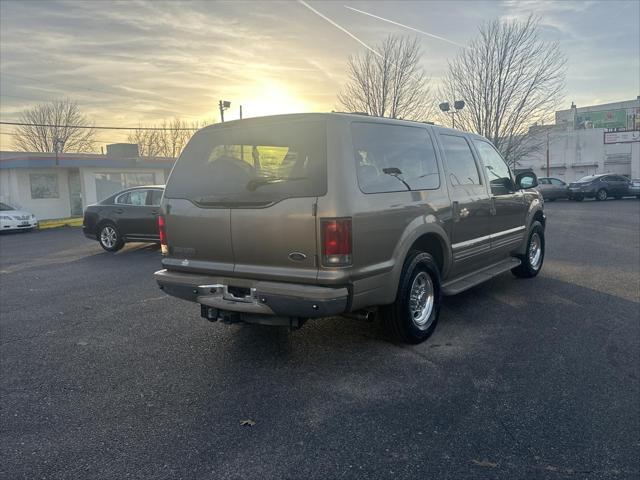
{"points": [[622, 137]]}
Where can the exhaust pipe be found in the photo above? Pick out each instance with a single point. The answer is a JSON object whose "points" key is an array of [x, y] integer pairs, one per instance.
{"points": [[363, 315]]}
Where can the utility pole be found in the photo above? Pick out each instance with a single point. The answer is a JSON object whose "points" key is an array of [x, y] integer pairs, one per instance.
{"points": [[548, 167], [58, 145], [240, 112]]}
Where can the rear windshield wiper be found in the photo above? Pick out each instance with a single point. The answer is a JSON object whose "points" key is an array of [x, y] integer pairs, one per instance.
{"points": [[396, 172], [258, 182]]}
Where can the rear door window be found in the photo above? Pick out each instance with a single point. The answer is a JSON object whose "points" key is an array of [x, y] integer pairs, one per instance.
{"points": [[461, 165], [252, 165], [393, 158]]}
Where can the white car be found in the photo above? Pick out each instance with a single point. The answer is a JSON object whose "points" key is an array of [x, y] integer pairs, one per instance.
{"points": [[13, 219]]}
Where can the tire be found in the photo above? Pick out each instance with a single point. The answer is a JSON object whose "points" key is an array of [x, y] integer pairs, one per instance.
{"points": [[577, 199], [602, 195], [403, 320], [531, 264], [109, 237]]}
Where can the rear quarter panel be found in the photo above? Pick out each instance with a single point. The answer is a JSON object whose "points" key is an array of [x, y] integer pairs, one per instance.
{"points": [[385, 225]]}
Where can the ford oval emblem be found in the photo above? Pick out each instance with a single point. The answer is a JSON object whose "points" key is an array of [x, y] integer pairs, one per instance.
{"points": [[297, 256]]}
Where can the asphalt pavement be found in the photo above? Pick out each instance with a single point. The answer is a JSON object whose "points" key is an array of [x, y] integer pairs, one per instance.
{"points": [[103, 376]]}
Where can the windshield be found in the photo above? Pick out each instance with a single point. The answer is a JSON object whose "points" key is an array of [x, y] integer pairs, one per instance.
{"points": [[4, 207], [252, 165]]}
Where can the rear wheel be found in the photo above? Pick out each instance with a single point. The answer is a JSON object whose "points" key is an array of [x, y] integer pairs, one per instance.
{"points": [[602, 195], [414, 315], [109, 238], [534, 256]]}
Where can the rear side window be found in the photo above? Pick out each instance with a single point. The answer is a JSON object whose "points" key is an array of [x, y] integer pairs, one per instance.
{"points": [[252, 165], [460, 163], [134, 197], [543, 181], [393, 158], [154, 197], [555, 181]]}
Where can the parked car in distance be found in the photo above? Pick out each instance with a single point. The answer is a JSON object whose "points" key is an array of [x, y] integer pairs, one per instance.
{"points": [[126, 216], [552, 188], [12, 218], [599, 187], [634, 187], [280, 219]]}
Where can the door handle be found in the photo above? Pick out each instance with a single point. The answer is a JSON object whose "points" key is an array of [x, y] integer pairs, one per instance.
{"points": [[154, 212], [120, 210]]}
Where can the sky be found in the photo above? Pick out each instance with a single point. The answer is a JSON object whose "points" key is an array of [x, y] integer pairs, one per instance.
{"points": [[139, 62]]}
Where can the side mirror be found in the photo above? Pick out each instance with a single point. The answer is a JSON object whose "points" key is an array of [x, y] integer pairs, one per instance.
{"points": [[526, 180]]}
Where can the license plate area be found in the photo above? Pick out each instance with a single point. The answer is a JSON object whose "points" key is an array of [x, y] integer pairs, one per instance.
{"points": [[229, 293]]}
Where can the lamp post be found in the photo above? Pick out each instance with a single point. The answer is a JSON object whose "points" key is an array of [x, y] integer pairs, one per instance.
{"points": [[223, 105], [458, 105]]}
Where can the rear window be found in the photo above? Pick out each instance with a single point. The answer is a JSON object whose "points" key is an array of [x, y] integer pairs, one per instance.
{"points": [[252, 165]]}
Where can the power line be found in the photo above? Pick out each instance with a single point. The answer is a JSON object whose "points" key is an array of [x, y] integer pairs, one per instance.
{"points": [[89, 127]]}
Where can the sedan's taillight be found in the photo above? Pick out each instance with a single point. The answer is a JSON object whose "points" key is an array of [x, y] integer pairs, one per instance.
{"points": [[336, 242], [163, 235]]}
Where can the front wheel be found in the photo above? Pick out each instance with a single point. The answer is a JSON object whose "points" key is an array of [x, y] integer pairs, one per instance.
{"points": [[109, 238], [534, 256], [412, 318], [602, 195]]}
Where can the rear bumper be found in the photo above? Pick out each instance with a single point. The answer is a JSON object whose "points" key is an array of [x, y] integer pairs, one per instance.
{"points": [[266, 298]]}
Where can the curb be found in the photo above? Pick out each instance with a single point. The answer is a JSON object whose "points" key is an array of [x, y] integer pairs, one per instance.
{"points": [[60, 222]]}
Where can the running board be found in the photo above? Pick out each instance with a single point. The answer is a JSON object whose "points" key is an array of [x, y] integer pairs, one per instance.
{"points": [[471, 280]]}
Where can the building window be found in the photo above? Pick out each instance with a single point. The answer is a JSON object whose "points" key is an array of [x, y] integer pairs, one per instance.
{"points": [[109, 183], [44, 185]]}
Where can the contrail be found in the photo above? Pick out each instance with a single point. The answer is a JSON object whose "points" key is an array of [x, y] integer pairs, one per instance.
{"points": [[395, 23], [302, 2]]}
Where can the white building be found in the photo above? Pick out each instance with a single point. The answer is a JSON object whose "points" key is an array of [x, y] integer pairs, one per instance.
{"points": [[51, 187], [588, 140]]}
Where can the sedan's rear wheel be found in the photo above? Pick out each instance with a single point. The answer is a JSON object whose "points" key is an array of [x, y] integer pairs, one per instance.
{"points": [[109, 238], [602, 195]]}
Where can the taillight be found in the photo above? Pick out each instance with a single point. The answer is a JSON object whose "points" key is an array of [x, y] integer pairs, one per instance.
{"points": [[336, 241], [163, 235]]}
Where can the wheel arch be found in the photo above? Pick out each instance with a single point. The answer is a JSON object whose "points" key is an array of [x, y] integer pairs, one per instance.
{"points": [[429, 238]]}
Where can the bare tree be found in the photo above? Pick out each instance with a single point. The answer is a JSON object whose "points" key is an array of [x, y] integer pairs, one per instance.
{"points": [[510, 79], [54, 125], [388, 82], [164, 143]]}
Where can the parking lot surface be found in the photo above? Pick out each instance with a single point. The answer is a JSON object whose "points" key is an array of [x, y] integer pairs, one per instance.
{"points": [[103, 376]]}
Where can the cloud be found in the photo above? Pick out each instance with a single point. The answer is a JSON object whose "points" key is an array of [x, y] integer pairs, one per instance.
{"points": [[142, 61]]}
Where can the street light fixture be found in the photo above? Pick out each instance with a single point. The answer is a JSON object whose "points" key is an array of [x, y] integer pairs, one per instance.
{"points": [[223, 105], [458, 105]]}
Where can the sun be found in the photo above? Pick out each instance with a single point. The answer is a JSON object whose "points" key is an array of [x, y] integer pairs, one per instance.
{"points": [[271, 98]]}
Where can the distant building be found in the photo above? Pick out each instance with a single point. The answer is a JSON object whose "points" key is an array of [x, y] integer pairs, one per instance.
{"points": [[588, 140], [62, 187]]}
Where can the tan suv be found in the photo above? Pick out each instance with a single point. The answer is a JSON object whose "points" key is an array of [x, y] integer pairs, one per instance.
{"points": [[281, 219]]}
